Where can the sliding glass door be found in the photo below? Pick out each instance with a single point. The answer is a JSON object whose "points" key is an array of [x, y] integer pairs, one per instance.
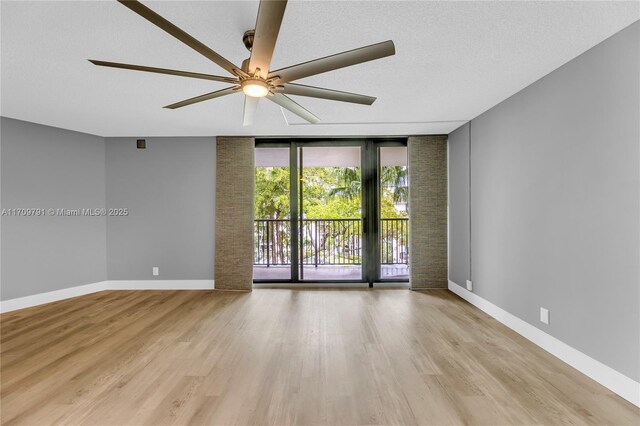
{"points": [[393, 229], [272, 247], [330, 211]]}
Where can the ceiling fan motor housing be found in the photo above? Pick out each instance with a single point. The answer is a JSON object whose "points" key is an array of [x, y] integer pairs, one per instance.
{"points": [[247, 39]]}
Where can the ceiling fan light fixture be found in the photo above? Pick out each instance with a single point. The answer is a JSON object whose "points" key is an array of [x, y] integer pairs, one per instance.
{"points": [[255, 88]]}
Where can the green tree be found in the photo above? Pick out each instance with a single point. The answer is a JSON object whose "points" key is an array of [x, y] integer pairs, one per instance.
{"points": [[395, 178], [394, 191], [272, 202], [331, 193], [349, 183], [271, 193]]}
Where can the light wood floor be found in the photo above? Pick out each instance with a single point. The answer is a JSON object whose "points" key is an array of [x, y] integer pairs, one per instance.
{"points": [[285, 357]]}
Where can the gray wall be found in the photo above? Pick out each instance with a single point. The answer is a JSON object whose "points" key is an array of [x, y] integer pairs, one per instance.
{"points": [[555, 202], [169, 189], [459, 252], [46, 167]]}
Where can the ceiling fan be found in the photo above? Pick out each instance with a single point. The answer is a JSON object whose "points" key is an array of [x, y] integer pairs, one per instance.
{"points": [[254, 78]]}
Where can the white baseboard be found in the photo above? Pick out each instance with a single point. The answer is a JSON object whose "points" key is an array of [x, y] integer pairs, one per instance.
{"points": [[51, 296], [160, 285], [81, 290], [613, 380]]}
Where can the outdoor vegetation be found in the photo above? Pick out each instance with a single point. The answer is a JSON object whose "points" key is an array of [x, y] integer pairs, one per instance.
{"points": [[331, 226], [328, 192]]}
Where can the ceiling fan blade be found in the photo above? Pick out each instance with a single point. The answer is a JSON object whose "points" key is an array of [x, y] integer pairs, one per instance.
{"points": [[292, 106], [167, 26], [162, 71], [250, 106], [270, 14], [334, 62], [319, 92], [205, 97]]}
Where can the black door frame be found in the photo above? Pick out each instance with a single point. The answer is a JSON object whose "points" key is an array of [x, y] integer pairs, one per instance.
{"points": [[370, 166]]}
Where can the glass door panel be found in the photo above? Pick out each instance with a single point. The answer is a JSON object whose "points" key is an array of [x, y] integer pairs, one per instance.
{"points": [[330, 213], [393, 225], [272, 258]]}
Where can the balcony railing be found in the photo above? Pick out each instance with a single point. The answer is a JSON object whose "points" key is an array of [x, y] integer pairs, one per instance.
{"points": [[328, 241], [394, 241]]}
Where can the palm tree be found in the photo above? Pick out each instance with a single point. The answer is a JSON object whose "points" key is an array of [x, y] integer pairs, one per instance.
{"points": [[350, 184], [396, 179]]}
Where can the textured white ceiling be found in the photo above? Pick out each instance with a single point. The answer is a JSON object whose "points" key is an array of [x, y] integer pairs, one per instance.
{"points": [[454, 60]]}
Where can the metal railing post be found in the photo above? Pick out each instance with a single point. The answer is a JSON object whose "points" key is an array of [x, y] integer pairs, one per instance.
{"points": [[315, 240], [268, 244]]}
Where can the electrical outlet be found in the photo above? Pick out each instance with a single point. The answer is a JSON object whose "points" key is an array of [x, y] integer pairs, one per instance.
{"points": [[156, 271], [544, 315], [469, 285]]}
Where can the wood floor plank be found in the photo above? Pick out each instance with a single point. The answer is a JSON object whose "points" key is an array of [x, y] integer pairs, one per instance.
{"points": [[280, 357]]}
